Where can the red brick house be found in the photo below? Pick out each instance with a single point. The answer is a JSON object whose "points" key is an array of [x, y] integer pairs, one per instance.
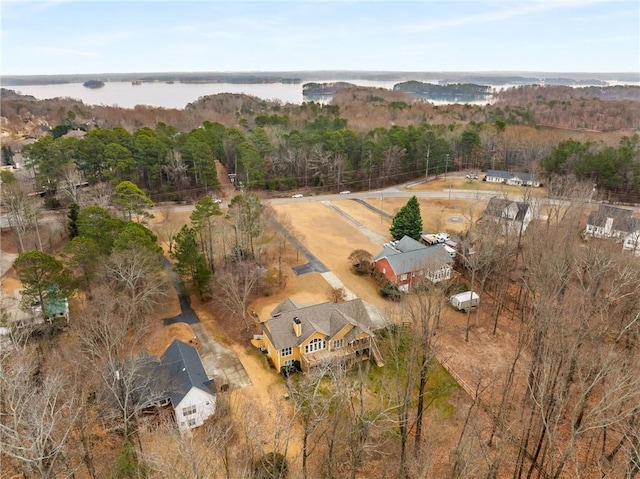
{"points": [[408, 262]]}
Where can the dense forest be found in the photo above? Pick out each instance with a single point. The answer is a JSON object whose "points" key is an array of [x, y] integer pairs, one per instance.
{"points": [[460, 91], [329, 146]]}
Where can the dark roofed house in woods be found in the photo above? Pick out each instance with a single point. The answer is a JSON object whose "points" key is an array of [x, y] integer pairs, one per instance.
{"points": [[187, 388]]}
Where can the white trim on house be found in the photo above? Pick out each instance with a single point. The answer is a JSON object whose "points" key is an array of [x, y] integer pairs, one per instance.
{"points": [[204, 404]]}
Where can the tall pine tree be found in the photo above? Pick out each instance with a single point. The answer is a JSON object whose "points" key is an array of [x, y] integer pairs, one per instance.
{"points": [[407, 221], [190, 262]]}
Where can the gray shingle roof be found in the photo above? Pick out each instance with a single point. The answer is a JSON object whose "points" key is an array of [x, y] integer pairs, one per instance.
{"points": [[184, 370], [622, 218], [415, 257], [287, 305], [407, 243], [496, 207], [325, 318]]}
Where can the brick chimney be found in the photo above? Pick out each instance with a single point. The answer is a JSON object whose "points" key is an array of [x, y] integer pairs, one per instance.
{"points": [[297, 326]]}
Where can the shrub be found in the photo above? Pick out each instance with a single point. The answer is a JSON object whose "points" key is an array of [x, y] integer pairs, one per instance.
{"points": [[380, 279], [337, 295], [270, 466], [455, 288], [126, 464], [391, 291], [363, 269]]}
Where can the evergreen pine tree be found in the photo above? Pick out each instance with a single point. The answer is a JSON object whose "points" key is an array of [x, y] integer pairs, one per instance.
{"points": [[74, 213], [407, 221]]}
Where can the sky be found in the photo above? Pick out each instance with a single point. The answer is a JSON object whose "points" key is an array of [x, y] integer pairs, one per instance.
{"points": [[66, 37]]}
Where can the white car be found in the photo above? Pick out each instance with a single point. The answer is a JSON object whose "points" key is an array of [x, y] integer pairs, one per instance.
{"points": [[345, 192], [442, 237], [298, 195]]}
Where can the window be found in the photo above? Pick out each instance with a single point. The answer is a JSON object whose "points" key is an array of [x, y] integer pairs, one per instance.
{"points": [[286, 352], [289, 362], [338, 343], [315, 345], [191, 422], [188, 411], [403, 277]]}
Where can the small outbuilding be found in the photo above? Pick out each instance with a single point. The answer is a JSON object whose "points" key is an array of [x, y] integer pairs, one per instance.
{"points": [[465, 301]]}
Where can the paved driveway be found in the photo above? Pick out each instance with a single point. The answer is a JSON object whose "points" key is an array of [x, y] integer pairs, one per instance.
{"points": [[220, 362]]}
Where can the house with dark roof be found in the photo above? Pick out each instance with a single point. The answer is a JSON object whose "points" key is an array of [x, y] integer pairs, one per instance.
{"points": [[187, 388], [512, 178], [408, 262], [306, 337], [513, 216], [617, 223]]}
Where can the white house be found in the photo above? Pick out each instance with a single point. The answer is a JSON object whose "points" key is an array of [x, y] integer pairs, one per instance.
{"points": [[513, 178], [610, 222], [512, 215], [190, 391], [617, 223], [632, 242]]}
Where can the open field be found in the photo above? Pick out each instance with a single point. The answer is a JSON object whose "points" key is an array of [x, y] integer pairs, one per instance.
{"points": [[332, 238], [455, 182]]}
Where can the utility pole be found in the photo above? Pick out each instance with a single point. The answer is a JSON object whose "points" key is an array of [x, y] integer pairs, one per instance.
{"points": [[426, 171], [446, 165]]}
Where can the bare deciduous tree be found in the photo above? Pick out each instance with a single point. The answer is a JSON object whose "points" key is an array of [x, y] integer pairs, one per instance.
{"points": [[37, 414], [235, 286]]}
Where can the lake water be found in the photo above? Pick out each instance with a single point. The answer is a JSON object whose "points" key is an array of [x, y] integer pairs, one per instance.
{"points": [[177, 95]]}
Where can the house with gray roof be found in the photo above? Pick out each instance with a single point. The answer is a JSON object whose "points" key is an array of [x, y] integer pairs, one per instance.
{"points": [[310, 336], [513, 178], [513, 216], [408, 262], [617, 223], [187, 388]]}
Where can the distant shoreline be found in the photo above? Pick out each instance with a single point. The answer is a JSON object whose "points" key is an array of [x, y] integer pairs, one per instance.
{"points": [[493, 78]]}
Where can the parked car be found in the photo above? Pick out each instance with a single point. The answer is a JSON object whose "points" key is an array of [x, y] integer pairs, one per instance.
{"points": [[297, 195], [345, 192], [217, 200], [472, 176], [442, 237], [429, 239]]}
